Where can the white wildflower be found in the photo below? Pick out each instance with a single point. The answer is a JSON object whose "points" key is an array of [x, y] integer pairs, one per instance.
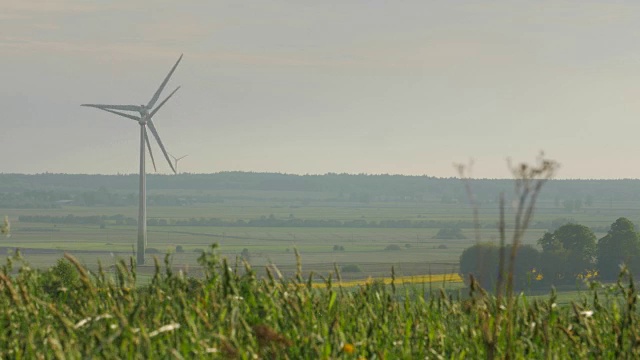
{"points": [[587, 313], [103, 316], [165, 328], [211, 350], [82, 323]]}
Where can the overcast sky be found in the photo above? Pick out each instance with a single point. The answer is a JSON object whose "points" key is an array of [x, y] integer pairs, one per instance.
{"points": [[399, 87]]}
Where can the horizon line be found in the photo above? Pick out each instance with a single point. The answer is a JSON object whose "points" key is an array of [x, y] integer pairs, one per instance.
{"points": [[306, 174]]}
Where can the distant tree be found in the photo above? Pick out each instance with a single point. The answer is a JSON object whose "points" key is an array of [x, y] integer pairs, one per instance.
{"points": [[451, 232], [620, 245], [482, 260], [527, 263], [568, 251]]}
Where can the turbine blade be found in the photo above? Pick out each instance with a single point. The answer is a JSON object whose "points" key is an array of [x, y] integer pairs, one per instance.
{"points": [[136, 118], [146, 139], [164, 83], [164, 151], [163, 102], [115, 107], [180, 158]]}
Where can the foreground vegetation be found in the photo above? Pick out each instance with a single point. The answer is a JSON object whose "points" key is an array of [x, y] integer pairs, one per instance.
{"points": [[229, 312]]}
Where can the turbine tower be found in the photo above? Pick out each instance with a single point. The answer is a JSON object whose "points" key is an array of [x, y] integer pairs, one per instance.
{"points": [[175, 159], [144, 120]]}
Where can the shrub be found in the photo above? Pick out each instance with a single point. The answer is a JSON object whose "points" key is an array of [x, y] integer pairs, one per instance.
{"points": [[60, 277], [452, 232], [351, 268], [392, 247], [179, 249]]}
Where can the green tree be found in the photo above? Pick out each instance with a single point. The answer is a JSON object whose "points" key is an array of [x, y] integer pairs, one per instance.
{"points": [[620, 245], [482, 260], [567, 252]]}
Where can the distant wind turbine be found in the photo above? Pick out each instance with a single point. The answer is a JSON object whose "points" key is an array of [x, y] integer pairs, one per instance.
{"points": [[175, 159], [145, 119]]}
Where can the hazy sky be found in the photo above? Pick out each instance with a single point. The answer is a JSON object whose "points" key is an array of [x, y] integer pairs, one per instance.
{"points": [[407, 87]]}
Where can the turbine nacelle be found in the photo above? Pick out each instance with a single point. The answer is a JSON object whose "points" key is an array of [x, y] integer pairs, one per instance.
{"points": [[146, 114]]}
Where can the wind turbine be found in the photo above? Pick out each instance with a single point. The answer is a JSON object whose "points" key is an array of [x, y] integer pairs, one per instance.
{"points": [[145, 120], [175, 159]]}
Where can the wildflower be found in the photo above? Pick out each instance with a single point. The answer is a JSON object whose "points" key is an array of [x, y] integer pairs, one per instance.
{"points": [[539, 277], [165, 328], [587, 313], [348, 348]]}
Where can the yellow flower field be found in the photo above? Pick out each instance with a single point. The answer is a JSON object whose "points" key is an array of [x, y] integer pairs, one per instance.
{"points": [[417, 279]]}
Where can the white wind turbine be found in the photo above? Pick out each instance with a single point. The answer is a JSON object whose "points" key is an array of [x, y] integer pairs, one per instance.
{"points": [[145, 119], [175, 159]]}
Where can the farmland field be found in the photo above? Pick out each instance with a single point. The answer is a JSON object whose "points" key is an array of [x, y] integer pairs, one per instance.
{"points": [[417, 252]]}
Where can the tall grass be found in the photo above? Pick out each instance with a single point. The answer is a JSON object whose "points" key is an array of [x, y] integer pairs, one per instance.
{"points": [[228, 312]]}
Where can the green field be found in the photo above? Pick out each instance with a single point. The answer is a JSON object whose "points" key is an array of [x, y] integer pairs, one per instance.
{"points": [[420, 253]]}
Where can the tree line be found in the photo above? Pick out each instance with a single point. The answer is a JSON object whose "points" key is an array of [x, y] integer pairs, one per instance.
{"points": [[569, 254], [570, 194]]}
